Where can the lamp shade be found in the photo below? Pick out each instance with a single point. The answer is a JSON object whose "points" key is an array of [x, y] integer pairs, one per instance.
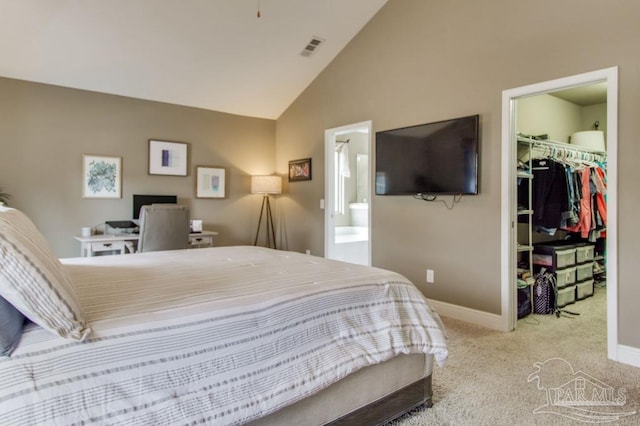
{"points": [[266, 185], [592, 139]]}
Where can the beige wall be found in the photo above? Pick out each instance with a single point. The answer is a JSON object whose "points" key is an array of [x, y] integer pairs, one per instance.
{"points": [[425, 60], [546, 114], [45, 130], [593, 113], [557, 118]]}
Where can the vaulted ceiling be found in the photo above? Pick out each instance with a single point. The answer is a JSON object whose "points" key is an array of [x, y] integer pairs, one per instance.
{"points": [[213, 54]]}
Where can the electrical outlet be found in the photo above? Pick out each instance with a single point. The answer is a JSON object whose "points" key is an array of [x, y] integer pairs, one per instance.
{"points": [[430, 278], [307, 251]]}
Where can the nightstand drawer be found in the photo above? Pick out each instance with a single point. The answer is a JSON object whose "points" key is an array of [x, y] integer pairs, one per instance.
{"points": [[98, 247], [200, 240]]}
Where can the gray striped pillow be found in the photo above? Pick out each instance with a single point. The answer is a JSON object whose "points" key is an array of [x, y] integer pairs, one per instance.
{"points": [[34, 281]]}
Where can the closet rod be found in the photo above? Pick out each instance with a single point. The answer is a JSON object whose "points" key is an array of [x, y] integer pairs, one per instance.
{"points": [[568, 151], [549, 142]]}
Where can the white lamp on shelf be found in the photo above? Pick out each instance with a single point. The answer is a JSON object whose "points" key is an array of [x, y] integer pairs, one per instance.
{"points": [[591, 139], [266, 185]]}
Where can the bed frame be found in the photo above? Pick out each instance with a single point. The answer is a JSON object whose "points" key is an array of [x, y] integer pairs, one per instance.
{"points": [[374, 395], [390, 407]]}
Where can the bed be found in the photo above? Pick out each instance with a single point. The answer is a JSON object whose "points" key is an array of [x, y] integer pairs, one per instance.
{"points": [[226, 335]]}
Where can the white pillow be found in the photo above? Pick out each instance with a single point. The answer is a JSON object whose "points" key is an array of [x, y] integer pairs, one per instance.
{"points": [[34, 281]]}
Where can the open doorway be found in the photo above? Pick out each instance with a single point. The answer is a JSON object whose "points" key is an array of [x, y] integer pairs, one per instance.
{"points": [[509, 220], [348, 193]]}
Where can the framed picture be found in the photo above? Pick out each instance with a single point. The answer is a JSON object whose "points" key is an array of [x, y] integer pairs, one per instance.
{"points": [[167, 158], [101, 176], [210, 182], [300, 170]]}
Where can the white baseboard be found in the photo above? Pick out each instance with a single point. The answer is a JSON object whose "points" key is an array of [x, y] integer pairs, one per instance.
{"points": [[462, 313], [626, 354], [629, 355]]}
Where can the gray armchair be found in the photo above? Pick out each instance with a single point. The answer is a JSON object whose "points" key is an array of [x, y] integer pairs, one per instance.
{"points": [[163, 227]]}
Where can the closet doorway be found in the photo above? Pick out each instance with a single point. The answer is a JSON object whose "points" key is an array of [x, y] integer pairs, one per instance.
{"points": [[509, 220]]}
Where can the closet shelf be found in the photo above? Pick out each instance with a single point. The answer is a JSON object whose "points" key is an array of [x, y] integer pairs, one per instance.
{"points": [[522, 248], [525, 175], [557, 144]]}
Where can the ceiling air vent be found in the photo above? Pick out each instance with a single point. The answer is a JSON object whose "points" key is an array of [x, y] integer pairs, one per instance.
{"points": [[312, 46]]}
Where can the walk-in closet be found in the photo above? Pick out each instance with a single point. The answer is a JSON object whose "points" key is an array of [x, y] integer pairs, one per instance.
{"points": [[561, 202]]}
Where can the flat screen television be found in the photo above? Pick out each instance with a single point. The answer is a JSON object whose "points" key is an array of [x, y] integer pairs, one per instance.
{"points": [[429, 159], [145, 200]]}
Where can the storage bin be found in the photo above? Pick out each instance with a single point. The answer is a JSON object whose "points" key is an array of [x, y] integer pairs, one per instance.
{"points": [[585, 252], [584, 289], [584, 271], [554, 257], [566, 296], [566, 276], [524, 301]]}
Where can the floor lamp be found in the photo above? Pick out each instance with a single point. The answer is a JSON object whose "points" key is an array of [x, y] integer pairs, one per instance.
{"points": [[266, 185]]}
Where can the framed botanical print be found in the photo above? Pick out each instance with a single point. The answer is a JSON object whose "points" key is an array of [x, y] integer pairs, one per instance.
{"points": [[101, 176]]}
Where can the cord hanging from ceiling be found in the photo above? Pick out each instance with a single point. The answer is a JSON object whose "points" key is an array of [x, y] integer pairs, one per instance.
{"points": [[258, 13]]}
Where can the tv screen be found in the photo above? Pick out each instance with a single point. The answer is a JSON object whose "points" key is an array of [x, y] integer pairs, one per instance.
{"points": [[434, 158], [145, 200]]}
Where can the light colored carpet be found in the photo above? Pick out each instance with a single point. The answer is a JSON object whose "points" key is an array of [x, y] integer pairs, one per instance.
{"points": [[485, 380]]}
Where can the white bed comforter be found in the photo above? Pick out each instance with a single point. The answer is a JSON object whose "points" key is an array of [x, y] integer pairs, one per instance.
{"points": [[215, 336]]}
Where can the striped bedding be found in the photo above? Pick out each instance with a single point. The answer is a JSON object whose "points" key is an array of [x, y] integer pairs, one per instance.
{"points": [[215, 336]]}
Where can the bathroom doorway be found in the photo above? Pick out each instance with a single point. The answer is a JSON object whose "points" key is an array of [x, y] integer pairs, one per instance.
{"points": [[348, 193]]}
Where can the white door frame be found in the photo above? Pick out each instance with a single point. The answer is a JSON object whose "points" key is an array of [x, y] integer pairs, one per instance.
{"points": [[329, 184], [508, 214]]}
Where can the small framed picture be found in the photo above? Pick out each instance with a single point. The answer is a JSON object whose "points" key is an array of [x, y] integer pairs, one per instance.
{"points": [[101, 176], [167, 158], [300, 170], [210, 182]]}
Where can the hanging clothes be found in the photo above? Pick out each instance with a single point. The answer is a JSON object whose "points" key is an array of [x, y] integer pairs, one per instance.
{"points": [[592, 203], [550, 194], [570, 196], [599, 178], [584, 224], [571, 217]]}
